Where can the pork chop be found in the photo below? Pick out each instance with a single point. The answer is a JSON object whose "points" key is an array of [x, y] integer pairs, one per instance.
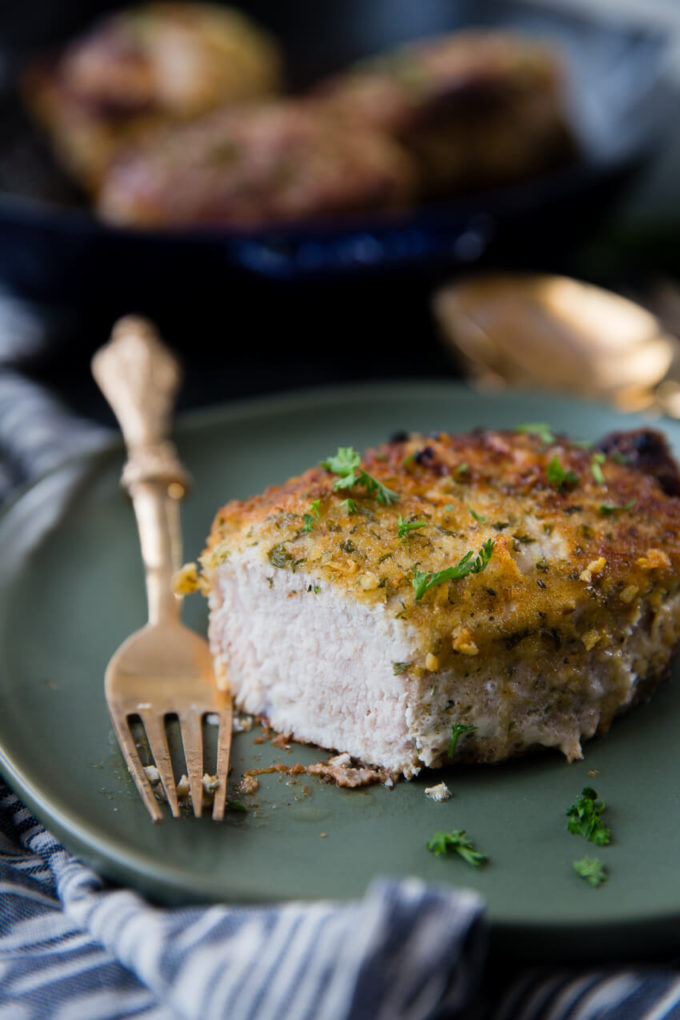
{"points": [[444, 598]]}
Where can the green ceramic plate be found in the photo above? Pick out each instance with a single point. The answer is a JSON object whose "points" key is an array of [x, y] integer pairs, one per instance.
{"points": [[72, 589]]}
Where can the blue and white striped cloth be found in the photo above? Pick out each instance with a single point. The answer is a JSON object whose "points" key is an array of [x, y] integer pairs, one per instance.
{"points": [[73, 947]]}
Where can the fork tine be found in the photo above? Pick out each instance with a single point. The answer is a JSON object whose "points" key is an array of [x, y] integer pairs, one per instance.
{"points": [[135, 767], [223, 752], [191, 727], [158, 744]]}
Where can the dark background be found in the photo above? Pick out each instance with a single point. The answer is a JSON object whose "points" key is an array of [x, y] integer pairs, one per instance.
{"points": [[252, 318]]}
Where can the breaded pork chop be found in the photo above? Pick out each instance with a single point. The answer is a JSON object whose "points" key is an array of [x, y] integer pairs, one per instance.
{"points": [[265, 163], [143, 68], [514, 586], [473, 108]]}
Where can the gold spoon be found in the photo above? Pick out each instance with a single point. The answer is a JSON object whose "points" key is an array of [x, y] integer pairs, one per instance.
{"points": [[557, 333]]}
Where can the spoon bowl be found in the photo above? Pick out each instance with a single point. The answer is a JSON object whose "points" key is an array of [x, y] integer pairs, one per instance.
{"points": [[556, 333]]}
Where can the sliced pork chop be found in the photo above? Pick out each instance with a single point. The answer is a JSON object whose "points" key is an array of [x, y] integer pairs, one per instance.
{"points": [[513, 587]]}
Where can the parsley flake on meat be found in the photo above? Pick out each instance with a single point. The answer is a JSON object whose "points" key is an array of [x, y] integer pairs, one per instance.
{"points": [[559, 477], [585, 818], [314, 514], [606, 509], [347, 464], [403, 527], [280, 557], [469, 564], [457, 731], [596, 468], [457, 842], [539, 429]]}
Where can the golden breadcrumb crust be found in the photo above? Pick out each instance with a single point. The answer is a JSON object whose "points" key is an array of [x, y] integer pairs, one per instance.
{"points": [[572, 561]]}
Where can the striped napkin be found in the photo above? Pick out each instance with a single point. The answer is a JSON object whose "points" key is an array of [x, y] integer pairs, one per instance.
{"points": [[73, 947]]}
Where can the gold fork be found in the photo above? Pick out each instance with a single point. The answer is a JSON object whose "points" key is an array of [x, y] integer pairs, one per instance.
{"points": [[164, 669]]}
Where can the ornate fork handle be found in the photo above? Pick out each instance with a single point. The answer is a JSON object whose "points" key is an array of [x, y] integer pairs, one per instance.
{"points": [[140, 377]]}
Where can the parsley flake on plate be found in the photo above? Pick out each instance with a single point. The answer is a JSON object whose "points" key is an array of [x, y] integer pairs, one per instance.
{"points": [[236, 805], [457, 842], [585, 818], [347, 465], [591, 870], [469, 564]]}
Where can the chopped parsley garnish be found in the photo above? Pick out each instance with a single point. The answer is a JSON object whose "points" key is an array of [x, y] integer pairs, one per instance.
{"points": [[458, 842], [347, 464], [280, 557], [585, 818], [469, 564], [400, 667], [477, 517], [606, 509], [462, 469], [559, 477], [314, 514], [457, 730], [596, 469], [236, 805], [344, 463], [540, 429], [349, 506], [591, 870], [403, 527]]}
